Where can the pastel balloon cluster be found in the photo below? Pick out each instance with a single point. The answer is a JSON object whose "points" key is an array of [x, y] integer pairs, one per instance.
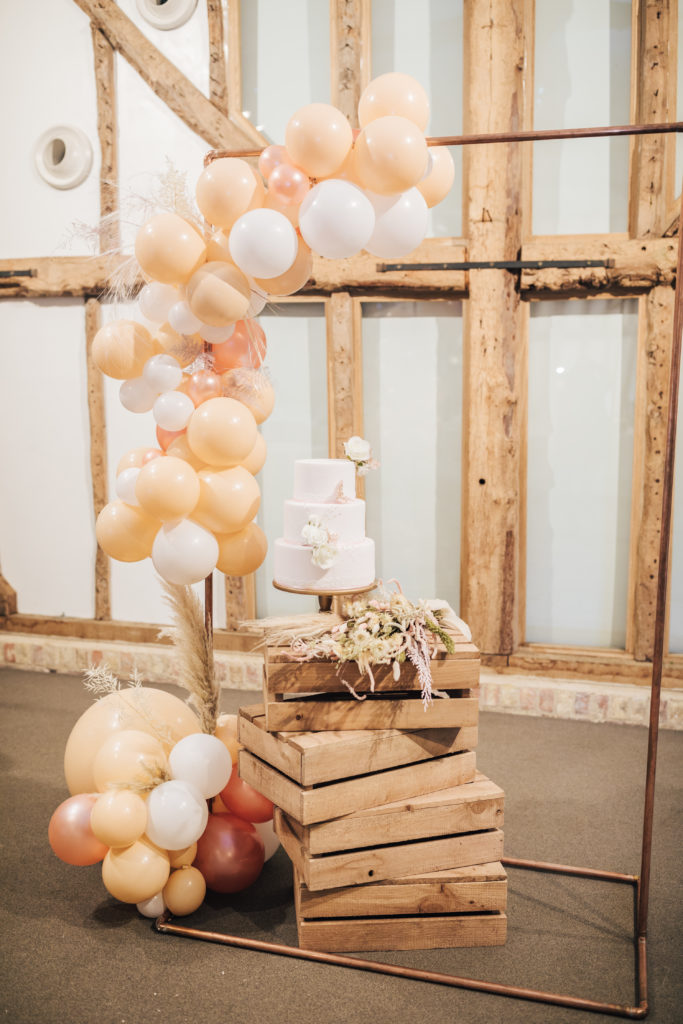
{"points": [[159, 845]]}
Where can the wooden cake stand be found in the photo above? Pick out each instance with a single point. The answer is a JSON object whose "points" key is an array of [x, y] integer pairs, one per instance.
{"points": [[325, 596]]}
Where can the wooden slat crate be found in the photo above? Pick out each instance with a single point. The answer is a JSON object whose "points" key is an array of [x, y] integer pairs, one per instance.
{"points": [[309, 696], [314, 757], [356, 867], [308, 804], [358, 935]]}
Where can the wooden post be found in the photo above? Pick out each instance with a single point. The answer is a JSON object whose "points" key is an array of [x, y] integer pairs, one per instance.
{"points": [[344, 371], [495, 339], [240, 600], [105, 84], [349, 54], [98, 456], [217, 14]]}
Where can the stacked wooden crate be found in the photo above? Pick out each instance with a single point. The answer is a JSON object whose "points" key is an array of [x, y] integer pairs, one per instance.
{"points": [[394, 835]]}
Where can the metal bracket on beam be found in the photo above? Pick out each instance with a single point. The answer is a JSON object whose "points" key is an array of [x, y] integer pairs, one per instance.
{"points": [[388, 268]]}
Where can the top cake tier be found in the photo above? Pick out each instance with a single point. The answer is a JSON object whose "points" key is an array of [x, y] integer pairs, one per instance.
{"points": [[320, 479]]}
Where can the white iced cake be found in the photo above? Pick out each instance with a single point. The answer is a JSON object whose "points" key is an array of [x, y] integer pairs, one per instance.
{"points": [[324, 547]]}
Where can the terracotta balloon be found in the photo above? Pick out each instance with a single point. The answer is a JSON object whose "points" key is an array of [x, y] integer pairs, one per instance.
{"points": [[202, 385], [169, 249], [126, 532], [270, 158], [318, 138], [218, 294], [180, 449], [294, 278], [289, 210], [179, 858], [121, 349], [391, 155], [137, 872], [240, 554], [168, 437], [140, 707], [289, 184], [135, 458], [226, 189], [183, 347], [119, 817], [129, 756], [244, 801], [185, 891], [394, 93], [226, 732], [222, 432], [230, 854], [70, 834], [167, 488], [253, 389], [228, 499], [437, 183], [246, 346], [256, 458]]}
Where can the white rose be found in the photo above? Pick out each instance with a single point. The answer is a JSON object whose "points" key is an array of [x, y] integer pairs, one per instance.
{"points": [[314, 534], [357, 449], [324, 556]]}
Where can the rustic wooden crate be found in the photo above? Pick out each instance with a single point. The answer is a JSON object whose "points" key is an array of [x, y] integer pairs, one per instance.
{"points": [[314, 757], [309, 696], [308, 804], [356, 867]]}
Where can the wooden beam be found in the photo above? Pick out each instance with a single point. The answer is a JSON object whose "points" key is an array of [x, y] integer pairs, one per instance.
{"points": [[49, 277], [8, 598], [240, 600], [237, 118], [349, 54], [494, 371], [363, 273], [121, 632], [217, 14], [170, 85], [594, 664], [105, 85], [98, 456], [344, 371]]}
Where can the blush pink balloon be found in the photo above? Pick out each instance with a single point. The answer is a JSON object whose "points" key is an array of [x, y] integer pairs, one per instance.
{"points": [[245, 801], [289, 184], [70, 834], [151, 453], [245, 347], [165, 437], [230, 853], [202, 385], [270, 158]]}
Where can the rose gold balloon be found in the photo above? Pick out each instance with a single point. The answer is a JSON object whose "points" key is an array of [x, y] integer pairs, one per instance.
{"points": [[204, 384], [288, 184], [126, 532], [391, 155], [256, 458], [185, 891], [438, 182], [253, 389], [240, 554], [244, 801], [230, 853], [120, 350], [226, 189], [167, 488], [167, 437], [394, 93], [169, 249], [218, 294], [226, 732], [318, 138], [151, 453], [228, 499], [70, 834], [180, 449], [183, 347], [137, 872], [245, 347], [134, 459], [294, 278], [270, 158], [119, 817], [221, 432], [179, 858], [128, 756]]}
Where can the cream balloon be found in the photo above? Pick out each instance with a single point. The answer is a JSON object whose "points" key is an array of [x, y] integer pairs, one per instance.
{"points": [[226, 189], [121, 349], [251, 388], [394, 93], [180, 449], [294, 278], [222, 432], [185, 891], [169, 249], [256, 458], [241, 553], [183, 347], [318, 138], [137, 872], [391, 155], [168, 488], [179, 858], [436, 185], [129, 756], [119, 817], [125, 532], [228, 499], [218, 294]]}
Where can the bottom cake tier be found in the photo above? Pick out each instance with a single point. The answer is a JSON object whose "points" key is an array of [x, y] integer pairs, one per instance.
{"points": [[354, 566]]}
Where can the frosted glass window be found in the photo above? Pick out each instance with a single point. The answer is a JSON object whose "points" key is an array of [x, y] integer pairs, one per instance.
{"points": [[412, 408], [581, 79], [676, 570], [425, 40], [582, 371], [285, 61], [297, 429]]}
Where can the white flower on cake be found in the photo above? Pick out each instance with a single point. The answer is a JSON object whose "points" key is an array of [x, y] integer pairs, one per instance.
{"points": [[358, 450], [325, 551], [324, 555], [314, 532]]}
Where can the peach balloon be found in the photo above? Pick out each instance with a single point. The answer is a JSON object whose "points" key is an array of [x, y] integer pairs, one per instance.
{"points": [[294, 278], [394, 93], [218, 294], [70, 834], [241, 553], [167, 437], [202, 385], [391, 155], [246, 346], [253, 389], [179, 858], [183, 347], [167, 488], [226, 731], [221, 432], [226, 189], [126, 532], [185, 891], [437, 184], [137, 872], [121, 349], [128, 756], [256, 458], [143, 708], [270, 158], [119, 817], [228, 499], [169, 249], [135, 458], [318, 138], [289, 184], [217, 248], [289, 210], [180, 449]]}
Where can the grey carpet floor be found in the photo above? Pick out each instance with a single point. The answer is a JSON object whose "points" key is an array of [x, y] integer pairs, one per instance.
{"points": [[574, 794]]}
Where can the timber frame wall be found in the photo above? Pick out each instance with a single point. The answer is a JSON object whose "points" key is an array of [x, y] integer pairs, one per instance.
{"points": [[498, 97]]}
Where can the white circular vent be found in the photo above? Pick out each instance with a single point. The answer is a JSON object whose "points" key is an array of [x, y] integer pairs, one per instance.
{"points": [[166, 14], [63, 156]]}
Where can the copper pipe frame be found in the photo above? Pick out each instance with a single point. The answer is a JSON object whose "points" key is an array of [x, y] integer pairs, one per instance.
{"points": [[641, 883]]}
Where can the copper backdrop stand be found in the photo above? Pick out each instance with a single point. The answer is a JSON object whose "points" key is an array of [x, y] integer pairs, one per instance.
{"points": [[641, 883]]}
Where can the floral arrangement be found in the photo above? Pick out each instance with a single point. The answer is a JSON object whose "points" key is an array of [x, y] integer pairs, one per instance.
{"points": [[324, 549], [358, 451]]}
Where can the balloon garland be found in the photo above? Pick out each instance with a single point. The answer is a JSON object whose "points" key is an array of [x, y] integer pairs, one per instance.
{"points": [[138, 768]]}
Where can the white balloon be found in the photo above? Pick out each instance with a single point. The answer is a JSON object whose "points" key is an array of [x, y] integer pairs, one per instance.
{"points": [[263, 243], [203, 761], [136, 395], [125, 485], [162, 373], [156, 300], [176, 814], [182, 319], [268, 835], [172, 410], [400, 223], [184, 552], [336, 219], [153, 907], [216, 335]]}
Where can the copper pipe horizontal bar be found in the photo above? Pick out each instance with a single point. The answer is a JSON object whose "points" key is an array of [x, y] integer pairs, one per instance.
{"points": [[568, 869]]}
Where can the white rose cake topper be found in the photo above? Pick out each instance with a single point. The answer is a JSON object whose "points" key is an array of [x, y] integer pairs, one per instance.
{"points": [[358, 451]]}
